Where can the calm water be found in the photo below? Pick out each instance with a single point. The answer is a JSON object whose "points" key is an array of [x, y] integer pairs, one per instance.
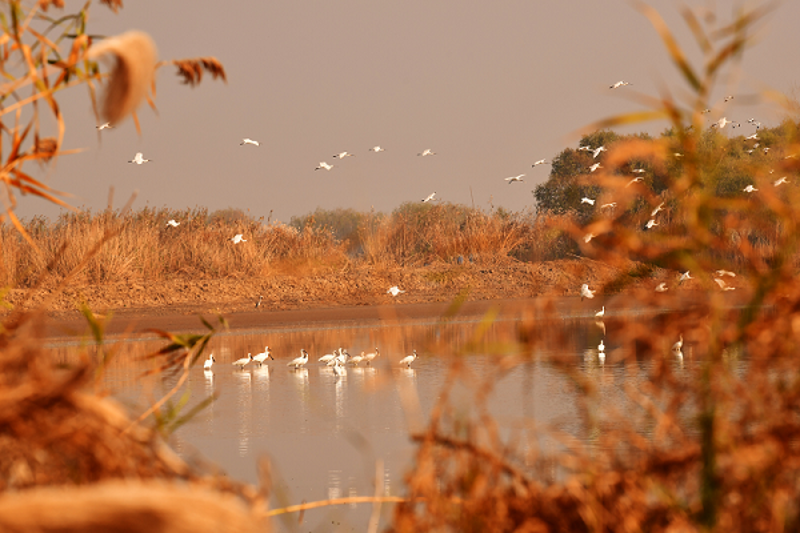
{"points": [[324, 433]]}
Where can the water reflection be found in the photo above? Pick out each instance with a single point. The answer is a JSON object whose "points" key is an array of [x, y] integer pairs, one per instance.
{"points": [[244, 403]]}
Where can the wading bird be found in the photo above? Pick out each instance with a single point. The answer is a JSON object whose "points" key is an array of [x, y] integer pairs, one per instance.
{"points": [[258, 303], [328, 357], [241, 363], [429, 197], [512, 179], [356, 359], [263, 356], [238, 238], [372, 355], [299, 361], [678, 344], [248, 141], [426, 151], [139, 159], [208, 363], [586, 292], [394, 291], [601, 313], [324, 166], [407, 360]]}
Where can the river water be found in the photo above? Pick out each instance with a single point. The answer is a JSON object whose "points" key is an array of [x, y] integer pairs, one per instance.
{"points": [[325, 433]]}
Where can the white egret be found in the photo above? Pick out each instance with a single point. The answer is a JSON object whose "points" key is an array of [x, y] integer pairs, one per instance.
{"points": [[258, 303], [721, 273], [657, 209], [610, 205], [324, 166], [241, 363], [426, 152], [728, 98], [620, 83], [662, 287], [372, 355], [299, 361], [638, 171], [342, 155], [105, 126], [356, 359], [172, 222], [650, 223], [721, 123], [753, 137], [263, 356], [722, 285], [586, 200], [376, 149], [429, 197], [750, 188], [637, 179], [208, 363], [512, 179], [601, 313], [601, 347], [249, 141], [781, 181], [407, 360], [594, 167], [139, 159], [394, 291], [238, 238], [539, 162], [597, 151], [588, 237], [586, 292], [685, 276], [328, 357], [678, 344]]}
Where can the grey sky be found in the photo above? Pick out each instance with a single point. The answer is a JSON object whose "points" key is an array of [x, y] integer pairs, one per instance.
{"points": [[491, 86]]}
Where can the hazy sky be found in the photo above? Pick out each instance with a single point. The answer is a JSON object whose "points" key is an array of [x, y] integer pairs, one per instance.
{"points": [[491, 86]]}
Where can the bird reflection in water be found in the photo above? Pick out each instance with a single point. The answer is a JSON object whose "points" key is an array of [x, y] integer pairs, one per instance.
{"points": [[244, 400]]}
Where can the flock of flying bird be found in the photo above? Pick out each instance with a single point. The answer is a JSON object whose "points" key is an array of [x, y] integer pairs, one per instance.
{"points": [[338, 359]]}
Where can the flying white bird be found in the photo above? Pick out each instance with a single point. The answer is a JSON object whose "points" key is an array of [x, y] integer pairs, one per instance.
{"points": [[105, 126], [586, 292], [750, 188], [324, 166], [263, 356], [621, 83], [721, 123], [248, 141], [172, 222], [609, 205], [721, 273], [781, 181], [299, 361], [238, 238], [753, 137], [342, 155], [139, 159], [588, 237], [585, 148], [208, 363], [728, 98], [241, 363], [539, 162], [594, 167], [426, 151], [586, 200], [376, 149], [407, 360], [723, 285], [657, 209], [678, 154], [650, 223], [684, 277], [429, 198], [597, 151], [637, 179], [512, 179], [662, 287], [638, 171], [394, 291]]}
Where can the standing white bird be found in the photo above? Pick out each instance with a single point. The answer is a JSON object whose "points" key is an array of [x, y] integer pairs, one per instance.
{"points": [[105, 126], [241, 363], [407, 360], [372, 355], [426, 152], [238, 238], [208, 363], [621, 83], [594, 167], [376, 149], [602, 346], [586, 292], [601, 313], [249, 141], [722, 285], [394, 291], [329, 356], [429, 197], [342, 155], [781, 181], [678, 344], [172, 222], [299, 361], [139, 159], [597, 151], [512, 179], [324, 166], [356, 359], [263, 356], [750, 188], [258, 303], [539, 162], [586, 200], [662, 287]]}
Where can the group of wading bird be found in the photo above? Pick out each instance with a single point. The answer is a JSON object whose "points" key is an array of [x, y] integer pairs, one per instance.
{"points": [[338, 359]]}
